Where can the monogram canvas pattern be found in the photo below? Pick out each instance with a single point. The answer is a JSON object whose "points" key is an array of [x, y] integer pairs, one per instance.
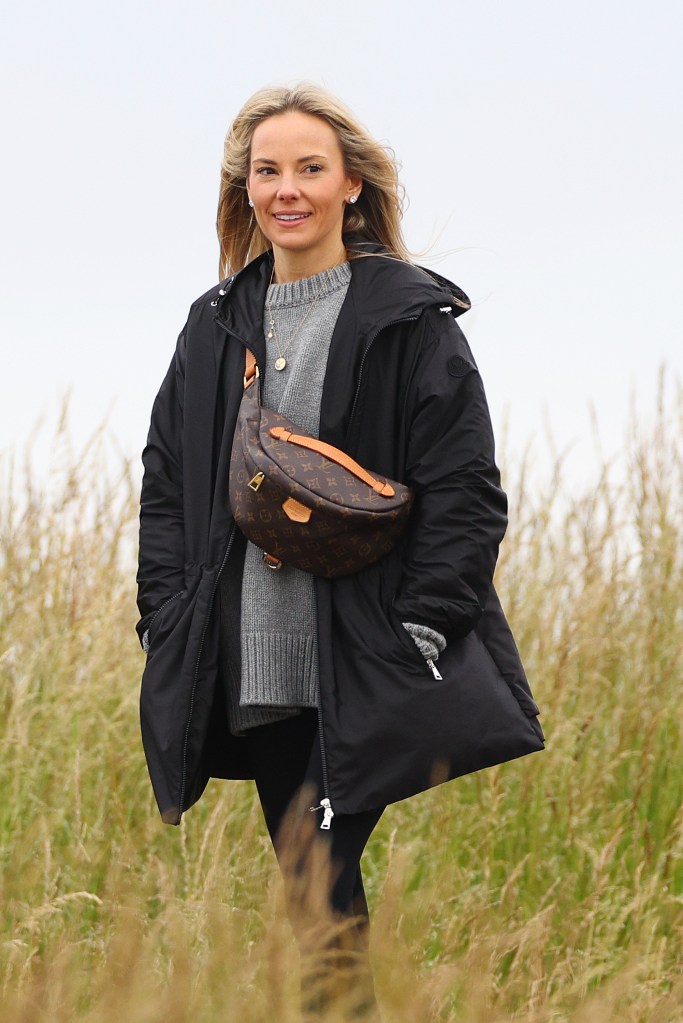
{"points": [[350, 525]]}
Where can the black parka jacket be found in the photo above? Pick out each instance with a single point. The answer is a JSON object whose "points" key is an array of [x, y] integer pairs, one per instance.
{"points": [[402, 395]]}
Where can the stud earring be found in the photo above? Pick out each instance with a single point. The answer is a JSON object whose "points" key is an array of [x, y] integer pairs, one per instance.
{"points": [[251, 203], [352, 199]]}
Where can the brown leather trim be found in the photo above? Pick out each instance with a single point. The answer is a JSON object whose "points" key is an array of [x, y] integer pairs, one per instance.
{"points": [[295, 510], [334, 455]]}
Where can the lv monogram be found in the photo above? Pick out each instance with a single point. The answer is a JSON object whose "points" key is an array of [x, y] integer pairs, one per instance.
{"points": [[341, 517]]}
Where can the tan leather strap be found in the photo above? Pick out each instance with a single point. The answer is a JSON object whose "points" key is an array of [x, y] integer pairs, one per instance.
{"points": [[251, 369], [334, 455]]}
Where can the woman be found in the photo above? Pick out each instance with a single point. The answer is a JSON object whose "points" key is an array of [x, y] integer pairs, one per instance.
{"points": [[344, 694]]}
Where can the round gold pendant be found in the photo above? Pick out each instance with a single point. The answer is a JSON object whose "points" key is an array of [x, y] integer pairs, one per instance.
{"points": [[280, 363]]}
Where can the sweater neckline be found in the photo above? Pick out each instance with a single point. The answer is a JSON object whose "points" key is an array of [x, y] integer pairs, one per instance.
{"points": [[307, 289]]}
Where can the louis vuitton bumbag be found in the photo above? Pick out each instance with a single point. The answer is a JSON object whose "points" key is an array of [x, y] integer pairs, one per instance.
{"points": [[306, 503]]}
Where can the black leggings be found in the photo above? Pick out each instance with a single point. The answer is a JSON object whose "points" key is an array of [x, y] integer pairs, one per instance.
{"points": [[321, 869], [286, 763]]}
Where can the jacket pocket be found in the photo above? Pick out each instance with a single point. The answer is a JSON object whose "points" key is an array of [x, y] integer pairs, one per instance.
{"points": [[413, 656], [160, 617]]}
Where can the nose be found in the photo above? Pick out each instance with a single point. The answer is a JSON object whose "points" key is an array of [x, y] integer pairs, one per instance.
{"points": [[288, 188]]}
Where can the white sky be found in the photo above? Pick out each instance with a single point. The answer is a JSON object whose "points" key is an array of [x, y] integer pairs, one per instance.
{"points": [[541, 150]]}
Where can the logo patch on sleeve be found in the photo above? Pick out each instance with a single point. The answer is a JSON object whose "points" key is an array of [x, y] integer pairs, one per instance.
{"points": [[459, 367]]}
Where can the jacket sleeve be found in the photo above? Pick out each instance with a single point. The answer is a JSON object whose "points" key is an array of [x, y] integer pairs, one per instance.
{"points": [[460, 512], [162, 540]]}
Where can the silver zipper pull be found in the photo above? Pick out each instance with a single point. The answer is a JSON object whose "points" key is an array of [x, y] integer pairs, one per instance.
{"points": [[328, 813], [435, 671]]}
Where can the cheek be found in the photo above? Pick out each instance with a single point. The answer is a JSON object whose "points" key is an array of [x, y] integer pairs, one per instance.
{"points": [[334, 203], [257, 187]]}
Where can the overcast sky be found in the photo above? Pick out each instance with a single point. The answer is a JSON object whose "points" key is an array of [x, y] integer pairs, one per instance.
{"points": [[540, 146]]}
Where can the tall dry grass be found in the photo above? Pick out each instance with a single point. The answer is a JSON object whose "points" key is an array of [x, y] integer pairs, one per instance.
{"points": [[550, 889]]}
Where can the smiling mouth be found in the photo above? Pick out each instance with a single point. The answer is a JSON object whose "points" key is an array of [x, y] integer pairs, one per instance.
{"points": [[289, 217]]}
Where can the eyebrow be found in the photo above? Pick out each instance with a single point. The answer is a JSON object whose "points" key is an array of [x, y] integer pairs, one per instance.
{"points": [[301, 159]]}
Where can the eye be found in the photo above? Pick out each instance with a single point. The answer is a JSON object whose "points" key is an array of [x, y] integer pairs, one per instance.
{"points": [[264, 171], [313, 167]]}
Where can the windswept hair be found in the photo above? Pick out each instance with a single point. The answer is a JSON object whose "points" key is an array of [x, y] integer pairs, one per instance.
{"points": [[376, 217]]}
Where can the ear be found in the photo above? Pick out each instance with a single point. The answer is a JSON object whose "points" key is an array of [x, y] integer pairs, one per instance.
{"points": [[354, 186]]}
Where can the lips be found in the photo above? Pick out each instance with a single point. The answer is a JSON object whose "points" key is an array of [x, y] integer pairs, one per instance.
{"points": [[290, 218]]}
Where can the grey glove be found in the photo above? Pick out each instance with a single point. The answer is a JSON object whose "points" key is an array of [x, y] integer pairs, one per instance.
{"points": [[428, 641]]}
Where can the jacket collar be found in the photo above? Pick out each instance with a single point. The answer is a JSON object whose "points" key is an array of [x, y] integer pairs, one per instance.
{"points": [[385, 290], [242, 298]]}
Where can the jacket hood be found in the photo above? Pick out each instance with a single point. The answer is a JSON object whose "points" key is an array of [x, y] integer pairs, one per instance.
{"points": [[390, 289], [385, 290]]}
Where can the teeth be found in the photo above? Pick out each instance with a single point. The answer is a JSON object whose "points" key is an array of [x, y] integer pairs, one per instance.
{"points": [[290, 216]]}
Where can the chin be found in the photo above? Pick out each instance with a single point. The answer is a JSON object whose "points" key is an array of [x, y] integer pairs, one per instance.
{"points": [[293, 244]]}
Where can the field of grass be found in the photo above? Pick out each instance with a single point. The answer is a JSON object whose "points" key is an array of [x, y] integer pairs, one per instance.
{"points": [[549, 889]]}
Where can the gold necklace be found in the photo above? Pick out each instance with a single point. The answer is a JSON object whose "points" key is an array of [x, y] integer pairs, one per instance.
{"points": [[281, 363]]}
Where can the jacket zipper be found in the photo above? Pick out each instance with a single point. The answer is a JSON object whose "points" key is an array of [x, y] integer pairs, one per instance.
{"points": [[160, 609], [325, 802], [435, 671]]}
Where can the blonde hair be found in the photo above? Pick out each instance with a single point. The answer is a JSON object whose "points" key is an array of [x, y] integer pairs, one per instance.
{"points": [[377, 214]]}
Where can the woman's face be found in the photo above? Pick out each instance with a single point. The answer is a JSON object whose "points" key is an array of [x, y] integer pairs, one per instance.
{"points": [[299, 188]]}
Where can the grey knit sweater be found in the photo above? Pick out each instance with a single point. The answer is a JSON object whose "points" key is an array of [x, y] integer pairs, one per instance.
{"points": [[278, 640], [275, 672]]}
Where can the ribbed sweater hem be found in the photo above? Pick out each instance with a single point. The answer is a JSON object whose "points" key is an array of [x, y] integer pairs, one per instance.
{"points": [[281, 670]]}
